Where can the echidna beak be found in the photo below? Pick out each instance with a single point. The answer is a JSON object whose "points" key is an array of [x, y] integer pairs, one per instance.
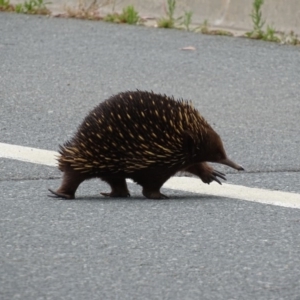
{"points": [[230, 163]]}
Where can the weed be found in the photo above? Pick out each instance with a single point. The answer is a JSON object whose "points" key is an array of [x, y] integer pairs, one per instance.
{"points": [[257, 20], [4, 3], [129, 15], [171, 9], [32, 7], [165, 23], [291, 39], [204, 27], [186, 20], [19, 8], [270, 35], [114, 17], [294, 40], [6, 6], [168, 22]]}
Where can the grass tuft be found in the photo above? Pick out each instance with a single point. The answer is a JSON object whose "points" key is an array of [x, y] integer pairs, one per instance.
{"points": [[129, 15], [258, 22], [6, 6], [169, 21], [32, 7]]}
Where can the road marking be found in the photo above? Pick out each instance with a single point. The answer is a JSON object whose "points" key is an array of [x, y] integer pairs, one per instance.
{"points": [[241, 192], [28, 154], [194, 185]]}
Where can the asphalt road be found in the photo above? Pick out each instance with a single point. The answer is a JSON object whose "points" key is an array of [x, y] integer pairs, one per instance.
{"points": [[52, 72]]}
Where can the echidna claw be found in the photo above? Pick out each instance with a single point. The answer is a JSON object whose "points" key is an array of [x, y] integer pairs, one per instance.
{"points": [[217, 180], [219, 174], [216, 174], [105, 194], [154, 195], [60, 195]]}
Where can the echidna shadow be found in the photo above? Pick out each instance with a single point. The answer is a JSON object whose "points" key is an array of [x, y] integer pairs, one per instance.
{"points": [[144, 136]]}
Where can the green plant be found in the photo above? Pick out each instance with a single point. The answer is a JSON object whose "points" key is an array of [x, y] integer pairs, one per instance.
{"points": [[204, 27], [291, 39], [256, 15], [257, 20], [19, 8], [6, 6], [165, 23], [171, 9], [129, 15], [112, 18], [32, 7], [186, 20], [270, 35], [4, 3], [168, 22]]}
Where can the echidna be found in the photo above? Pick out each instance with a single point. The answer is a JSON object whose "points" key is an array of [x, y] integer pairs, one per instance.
{"points": [[144, 136]]}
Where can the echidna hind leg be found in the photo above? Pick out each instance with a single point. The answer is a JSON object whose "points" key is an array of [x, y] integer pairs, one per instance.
{"points": [[118, 187], [151, 190], [151, 184], [71, 181]]}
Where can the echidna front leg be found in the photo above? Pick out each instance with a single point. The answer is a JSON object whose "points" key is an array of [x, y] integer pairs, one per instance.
{"points": [[118, 187], [70, 183], [206, 173]]}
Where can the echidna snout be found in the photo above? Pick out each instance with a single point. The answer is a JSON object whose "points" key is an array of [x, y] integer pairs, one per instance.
{"points": [[215, 152], [230, 163]]}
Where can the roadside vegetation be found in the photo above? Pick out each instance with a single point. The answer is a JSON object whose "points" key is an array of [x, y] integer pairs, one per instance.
{"points": [[258, 23], [83, 10], [90, 10], [6, 6], [129, 15], [28, 7], [168, 21], [269, 34]]}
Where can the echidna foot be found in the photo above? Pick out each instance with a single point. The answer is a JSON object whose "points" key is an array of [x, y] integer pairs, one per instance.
{"points": [[58, 194], [206, 173], [154, 194], [118, 187]]}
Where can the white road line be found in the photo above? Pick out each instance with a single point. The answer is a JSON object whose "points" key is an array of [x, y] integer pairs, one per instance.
{"points": [[33, 155], [194, 185], [235, 192]]}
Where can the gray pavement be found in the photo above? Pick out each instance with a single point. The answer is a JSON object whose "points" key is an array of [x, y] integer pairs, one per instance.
{"points": [[52, 72]]}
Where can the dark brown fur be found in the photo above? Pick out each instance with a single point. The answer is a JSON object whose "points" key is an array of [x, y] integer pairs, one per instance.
{"points": [[143, 136]]}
